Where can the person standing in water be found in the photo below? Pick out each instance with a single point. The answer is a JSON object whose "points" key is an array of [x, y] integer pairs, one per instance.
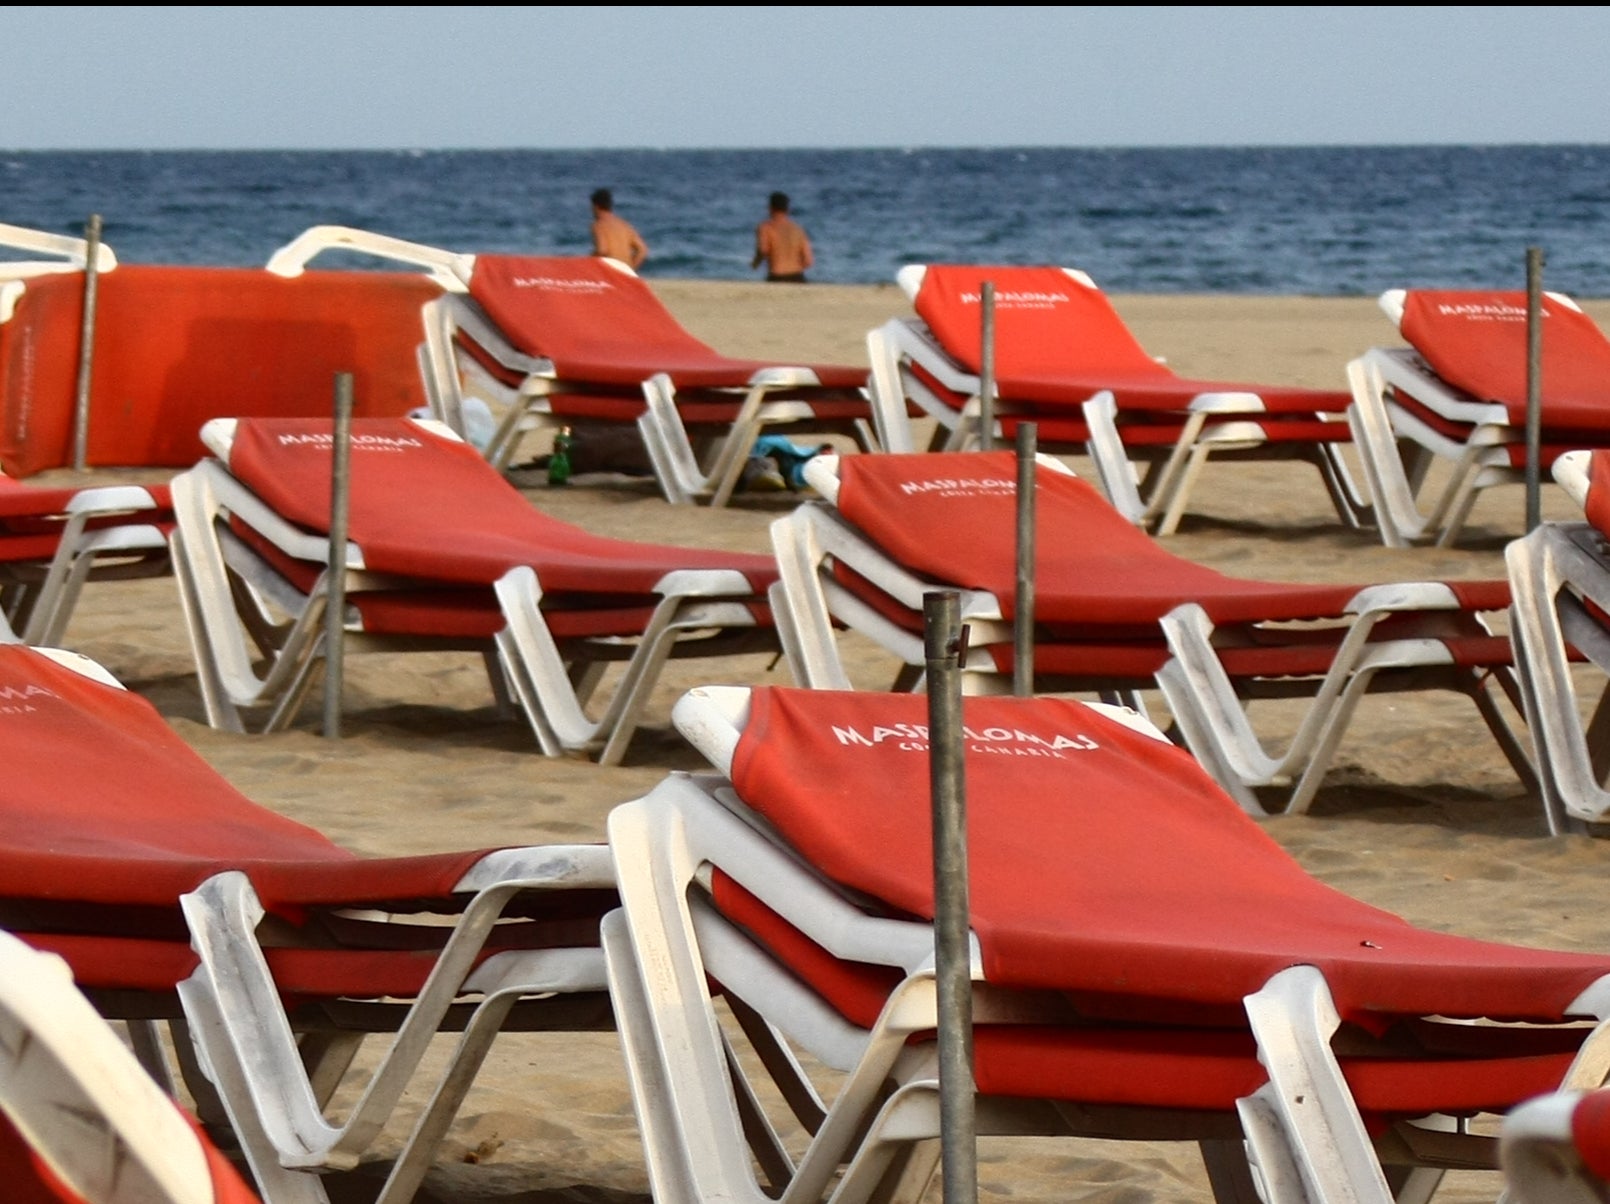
{"points": [[613, 235], [781, 244]]}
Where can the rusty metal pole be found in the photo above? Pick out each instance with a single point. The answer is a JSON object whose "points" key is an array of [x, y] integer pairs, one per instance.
{"points": [[86, 341], [986, 369], [1023, 605], [1534, 387], [944, 648], [335, 598]]}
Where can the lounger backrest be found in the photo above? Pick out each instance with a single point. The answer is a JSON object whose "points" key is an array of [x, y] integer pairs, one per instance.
{"points": [[1476, 341], [952, 517], [105, 803], [1047, 323], [595, 319], [430, 507], [1102, 860]]}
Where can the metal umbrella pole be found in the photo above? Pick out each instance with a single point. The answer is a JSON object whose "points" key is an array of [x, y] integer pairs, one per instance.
{"points": [[86, 341], [335, 598], [1023, 605], [1534, 387], [986, 369], [944, 648]]}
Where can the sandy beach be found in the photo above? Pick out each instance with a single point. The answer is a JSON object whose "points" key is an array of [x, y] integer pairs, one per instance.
{"points": [[1421, 814]]}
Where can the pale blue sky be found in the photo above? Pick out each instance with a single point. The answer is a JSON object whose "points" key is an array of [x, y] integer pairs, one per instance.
{"points": [[436, 77]]}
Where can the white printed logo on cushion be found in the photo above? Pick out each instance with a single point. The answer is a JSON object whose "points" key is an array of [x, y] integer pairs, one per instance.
{"points": [[1004, 741]]}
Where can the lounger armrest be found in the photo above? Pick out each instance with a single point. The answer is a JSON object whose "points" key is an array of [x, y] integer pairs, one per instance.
{"points": [[785, 377], [1571, 473], [567, 866], [73, 251], [111, 499], [1227, 403], [1404, 596], [711, 718], [450, 270]]}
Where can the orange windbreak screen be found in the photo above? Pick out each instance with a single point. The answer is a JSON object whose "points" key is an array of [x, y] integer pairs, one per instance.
{"points": [[175, 346]]}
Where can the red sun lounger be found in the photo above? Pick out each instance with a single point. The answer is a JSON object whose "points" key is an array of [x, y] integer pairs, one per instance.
{"points": [[559, 339], [1560, 574], [116, 838], [1457, 394], [1146, 961], [53, 540], [1066, 361], [442, 553], [1114, 611], [80, 1120]]}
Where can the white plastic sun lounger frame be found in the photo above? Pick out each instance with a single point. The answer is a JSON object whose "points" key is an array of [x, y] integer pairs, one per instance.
{"points": [[80, 1099], [1539, 1153], [553, 685], [1215, 721], [665, 438], [1397, 448], [1304, 1132], [1155, 500], [664, 946], [277, 1106], [1555, 573]]}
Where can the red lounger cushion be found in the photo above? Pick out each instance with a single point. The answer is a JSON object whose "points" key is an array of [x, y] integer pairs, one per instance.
{"points": [[599, 322], [1476, 341], [1059, 341], [1105, 861], [432, 508]]}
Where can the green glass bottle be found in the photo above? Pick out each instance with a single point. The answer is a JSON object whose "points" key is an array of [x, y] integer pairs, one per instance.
{"points": [[559, 462]]}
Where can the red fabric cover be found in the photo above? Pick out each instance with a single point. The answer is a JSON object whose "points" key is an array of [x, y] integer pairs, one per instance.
{"points": [[953, 517], [599, 323], [175, 346], [104, 803], [432, 508], [1596, 506], [1058, 341], [1476, 341], [1103, 860], [1590, 1131]]}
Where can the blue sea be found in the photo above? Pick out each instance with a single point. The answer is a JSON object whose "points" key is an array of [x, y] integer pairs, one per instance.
{"points": [[1325, 221]]}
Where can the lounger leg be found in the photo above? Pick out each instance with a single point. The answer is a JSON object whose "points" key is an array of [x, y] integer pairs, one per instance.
{"points": [[1228, 1173], [1293, 1019]]}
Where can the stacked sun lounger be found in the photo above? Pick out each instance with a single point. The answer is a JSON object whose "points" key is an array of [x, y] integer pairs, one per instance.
{"points": [[125, 854], [1441, 420], [442, 554], [1065, 360], [1114, 611], [1560, 573], [555, 340], [1146, 963]]}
